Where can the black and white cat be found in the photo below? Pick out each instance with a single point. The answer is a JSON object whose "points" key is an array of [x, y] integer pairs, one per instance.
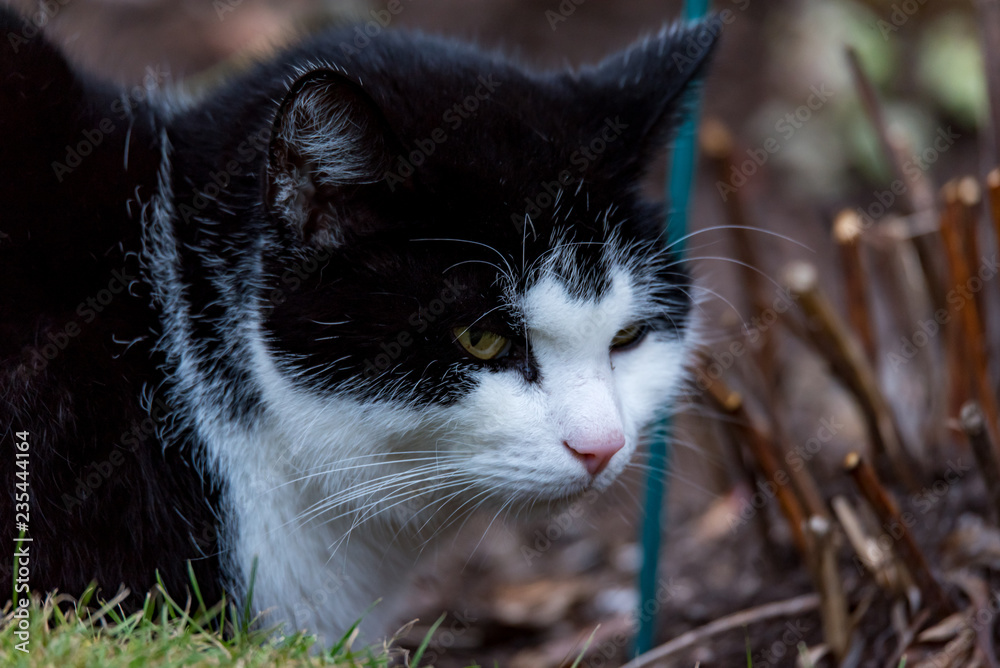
{"points": [[312, 318]]}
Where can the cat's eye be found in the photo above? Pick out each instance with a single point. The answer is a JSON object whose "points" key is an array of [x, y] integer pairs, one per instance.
{"points": [[481, 343], [627, 336]]}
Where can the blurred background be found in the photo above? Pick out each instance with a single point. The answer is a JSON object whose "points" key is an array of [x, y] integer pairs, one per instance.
{"points": [[788, 147]]}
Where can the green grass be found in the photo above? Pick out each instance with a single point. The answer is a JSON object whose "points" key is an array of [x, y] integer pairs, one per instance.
{"points": [[165, 634]]}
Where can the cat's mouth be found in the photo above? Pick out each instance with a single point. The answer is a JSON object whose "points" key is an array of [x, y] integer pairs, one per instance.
{"points": [[569, 493]]}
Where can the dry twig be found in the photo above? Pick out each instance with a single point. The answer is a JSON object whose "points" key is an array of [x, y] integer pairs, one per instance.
{"points": [[974, 425], [918, 196], [747, 432], [799, 605], [847, 233], [888, 514], [826, 574], [832, 339], [966, 333]]}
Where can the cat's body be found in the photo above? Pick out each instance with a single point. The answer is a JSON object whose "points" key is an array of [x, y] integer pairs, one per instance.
{"points": [[369, 291]]}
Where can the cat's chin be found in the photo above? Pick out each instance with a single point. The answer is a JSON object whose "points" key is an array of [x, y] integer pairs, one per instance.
{"points": [[550, 502]]}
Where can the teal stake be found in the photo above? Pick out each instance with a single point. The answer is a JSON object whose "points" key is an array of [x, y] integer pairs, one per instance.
{"points": [[678, 197]]}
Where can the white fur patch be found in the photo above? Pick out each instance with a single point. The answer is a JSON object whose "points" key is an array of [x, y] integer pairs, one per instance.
{"points": [[336, 498]]}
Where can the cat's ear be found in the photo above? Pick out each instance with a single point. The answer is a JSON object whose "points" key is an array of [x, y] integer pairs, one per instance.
{"points": [[328, 141], [636, 98]]}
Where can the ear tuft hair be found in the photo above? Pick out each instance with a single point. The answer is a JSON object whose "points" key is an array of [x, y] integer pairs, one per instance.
{"points": [[647, 87], [328, 139]]}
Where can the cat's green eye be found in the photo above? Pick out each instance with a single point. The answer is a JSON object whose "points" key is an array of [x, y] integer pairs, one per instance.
{"points": [[627, 336], [480, 343]]}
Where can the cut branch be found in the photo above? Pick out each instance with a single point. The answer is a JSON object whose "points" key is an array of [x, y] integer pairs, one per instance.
{"points": [[832, 339]]}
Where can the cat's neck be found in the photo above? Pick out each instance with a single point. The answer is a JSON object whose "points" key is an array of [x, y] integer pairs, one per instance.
{"points": [[318, 567], [324, 504], [314, 570]]}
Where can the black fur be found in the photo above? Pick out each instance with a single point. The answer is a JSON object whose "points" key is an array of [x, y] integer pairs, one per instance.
{"points": [[108, 502], [397, 253]]}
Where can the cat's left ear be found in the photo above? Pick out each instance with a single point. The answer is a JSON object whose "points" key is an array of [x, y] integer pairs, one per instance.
{"points": [[635, 99], [328, 141]]}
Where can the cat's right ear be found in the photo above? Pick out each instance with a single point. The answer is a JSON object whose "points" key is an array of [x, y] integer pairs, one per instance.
{"points": [[641, 95], [328, 141]]}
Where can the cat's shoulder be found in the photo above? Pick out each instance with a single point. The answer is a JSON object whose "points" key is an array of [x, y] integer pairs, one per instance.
{"points": [[79, 161]]}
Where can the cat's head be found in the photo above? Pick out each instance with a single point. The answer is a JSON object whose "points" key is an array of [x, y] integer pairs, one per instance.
{"points": [[468, 268]]}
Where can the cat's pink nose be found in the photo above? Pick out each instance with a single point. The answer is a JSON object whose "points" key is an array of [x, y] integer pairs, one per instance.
{"points": [[595, 453]]}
